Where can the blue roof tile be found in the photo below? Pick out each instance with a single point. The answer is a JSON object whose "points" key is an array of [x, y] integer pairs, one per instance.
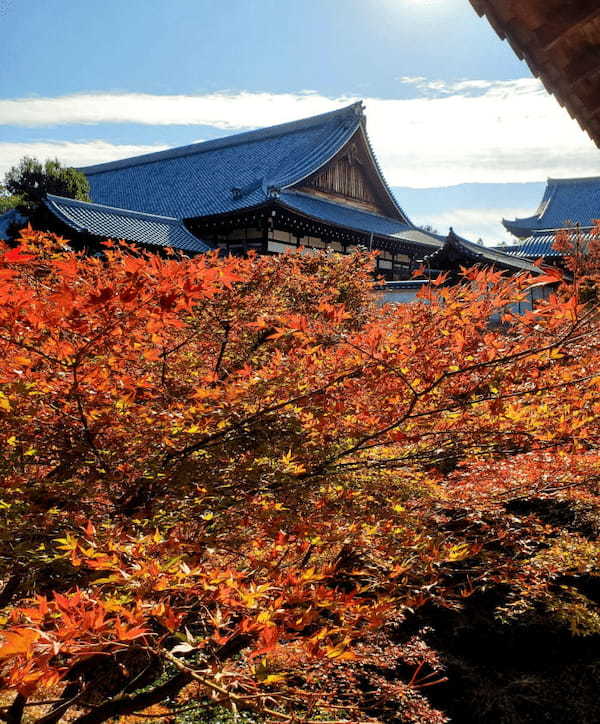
{"points": [[11, 218], [456, 246], [113, 223], [534, 247], [540, 244], [566, 202], [226, 174], [355, 219]]}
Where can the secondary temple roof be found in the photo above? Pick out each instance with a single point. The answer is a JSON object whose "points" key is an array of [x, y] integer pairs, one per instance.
{"points": [[109, 222], [566, 202], [541, 245], [535, 247], [456, 249]]}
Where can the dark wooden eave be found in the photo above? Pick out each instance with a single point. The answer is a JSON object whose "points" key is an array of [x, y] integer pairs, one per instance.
{"points": [[274, 214], [457, 252], [560, 41]]}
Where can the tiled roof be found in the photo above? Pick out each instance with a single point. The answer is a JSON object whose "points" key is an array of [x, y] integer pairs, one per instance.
{"points": [[535, 247], [10, 218], [511, 250], [456, 246], [541, 244], [421, 236], [355, 219], [113, 223], [566, 202], [406, 284], [488, 254], [226, 174]]}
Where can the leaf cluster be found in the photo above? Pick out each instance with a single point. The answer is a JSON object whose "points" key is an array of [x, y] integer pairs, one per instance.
{"points": [[235, 482]]}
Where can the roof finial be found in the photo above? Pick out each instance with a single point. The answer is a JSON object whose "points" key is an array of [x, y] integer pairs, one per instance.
{"points": [[359, 109]]}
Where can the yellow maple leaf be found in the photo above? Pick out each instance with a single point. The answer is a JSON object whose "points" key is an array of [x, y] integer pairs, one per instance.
{"points": [[18, 642]]}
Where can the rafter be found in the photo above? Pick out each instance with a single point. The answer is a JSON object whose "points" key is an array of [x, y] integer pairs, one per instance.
{"points": [[565, 20], [560, 41], [591, 100], [585, 65]]}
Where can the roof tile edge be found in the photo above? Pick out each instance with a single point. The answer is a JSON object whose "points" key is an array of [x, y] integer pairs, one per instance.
{"points": [[353, 110], [113, 209], [53, 204], [574, 179], [295, 192]]}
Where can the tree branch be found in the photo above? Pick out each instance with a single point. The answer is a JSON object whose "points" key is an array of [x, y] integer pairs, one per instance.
{"points": [[124, 705], [14, 714]]}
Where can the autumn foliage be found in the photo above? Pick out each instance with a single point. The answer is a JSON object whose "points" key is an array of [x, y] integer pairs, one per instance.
{"points": [[581, 251], [237, 482]]}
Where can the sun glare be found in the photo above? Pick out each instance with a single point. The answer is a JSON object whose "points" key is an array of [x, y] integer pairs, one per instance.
{"points": [[423, 4], [418, 4]]}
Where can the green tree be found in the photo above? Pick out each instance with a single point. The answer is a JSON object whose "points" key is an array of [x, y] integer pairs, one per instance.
{"points": [[30, 180], [8, 201]]}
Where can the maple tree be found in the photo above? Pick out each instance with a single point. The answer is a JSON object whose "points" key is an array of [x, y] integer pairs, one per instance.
{"points": [[236, 482], [581, 254]]}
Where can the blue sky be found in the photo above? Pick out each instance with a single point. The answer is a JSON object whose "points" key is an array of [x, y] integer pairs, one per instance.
{"points": [[462, 131]]}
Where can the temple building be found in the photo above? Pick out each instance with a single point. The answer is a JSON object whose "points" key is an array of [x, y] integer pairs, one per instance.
{"points": [[568, 204], [313, 183]]}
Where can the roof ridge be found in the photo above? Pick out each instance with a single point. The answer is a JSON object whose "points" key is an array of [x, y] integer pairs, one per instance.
{"points": [[554, 229], [105, 207], [574, 179], [235, 139]]}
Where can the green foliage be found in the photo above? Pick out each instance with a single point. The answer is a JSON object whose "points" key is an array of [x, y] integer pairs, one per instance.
{"points": [[8, 201], [30, 180], [219, 715]]}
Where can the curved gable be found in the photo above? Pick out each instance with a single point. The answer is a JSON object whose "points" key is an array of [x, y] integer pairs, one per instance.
{"points": [[226, 174], [353, 177]]}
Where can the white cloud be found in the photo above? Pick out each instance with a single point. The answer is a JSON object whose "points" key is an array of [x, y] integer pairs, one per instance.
{"points": [[479, 132], [470, 131], [524, 86], [476, 224], [228, 111], [69, 153]]}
